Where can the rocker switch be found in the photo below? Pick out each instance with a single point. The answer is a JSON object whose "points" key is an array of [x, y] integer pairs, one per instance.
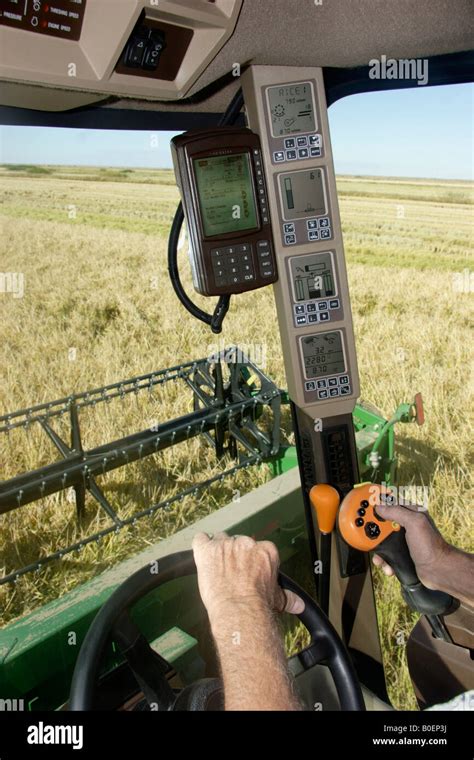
{"points": [[144, 49], [153, 52]]}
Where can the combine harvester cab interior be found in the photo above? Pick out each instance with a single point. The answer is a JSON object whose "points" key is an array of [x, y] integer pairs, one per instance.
{"points": [[248, 86]]}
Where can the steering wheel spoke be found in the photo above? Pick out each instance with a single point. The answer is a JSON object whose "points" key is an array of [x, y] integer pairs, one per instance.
{"points": [[148, 667], [317, 652]]}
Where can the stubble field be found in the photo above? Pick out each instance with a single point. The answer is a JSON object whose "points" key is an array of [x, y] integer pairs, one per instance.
{"points": [[98, 307]]}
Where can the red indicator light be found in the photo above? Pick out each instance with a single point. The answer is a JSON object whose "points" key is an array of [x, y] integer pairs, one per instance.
{"points": [[44, 24], [46, 8]]}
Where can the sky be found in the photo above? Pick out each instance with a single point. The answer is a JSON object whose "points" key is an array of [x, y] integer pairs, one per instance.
{"points": [[418, 132]]}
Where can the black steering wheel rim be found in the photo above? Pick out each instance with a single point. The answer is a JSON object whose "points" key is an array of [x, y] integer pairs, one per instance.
{"points": [[180, 565]]}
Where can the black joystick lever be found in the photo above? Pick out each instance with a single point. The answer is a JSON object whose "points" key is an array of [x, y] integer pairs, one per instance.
{"points": [[426, 601]]}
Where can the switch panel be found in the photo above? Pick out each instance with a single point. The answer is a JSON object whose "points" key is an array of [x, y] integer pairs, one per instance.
{"points": [[144, 48], [155, 49], [152, 49]]}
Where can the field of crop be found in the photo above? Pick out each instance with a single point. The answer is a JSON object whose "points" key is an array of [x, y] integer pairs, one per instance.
{"points": [[98, 307]]}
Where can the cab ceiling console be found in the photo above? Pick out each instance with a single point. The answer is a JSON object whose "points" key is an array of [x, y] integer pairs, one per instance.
{"points": [[90, 49]]}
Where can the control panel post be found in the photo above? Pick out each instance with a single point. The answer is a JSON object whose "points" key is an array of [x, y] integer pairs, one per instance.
{"points": [[286, 107]]}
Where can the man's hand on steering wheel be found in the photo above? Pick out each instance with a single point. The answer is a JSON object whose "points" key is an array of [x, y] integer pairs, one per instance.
{"points": [[241, 588], [238, 569], [238, 583]]}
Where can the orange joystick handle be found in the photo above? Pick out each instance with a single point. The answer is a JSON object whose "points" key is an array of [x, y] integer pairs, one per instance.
{"points": [[325, 501], [361, 527], [359, 524]]}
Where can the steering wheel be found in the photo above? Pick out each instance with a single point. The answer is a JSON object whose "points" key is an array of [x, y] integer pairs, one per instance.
{"points": [[149, 668]]}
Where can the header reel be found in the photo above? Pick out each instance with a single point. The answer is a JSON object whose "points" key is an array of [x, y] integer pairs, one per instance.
{"points": [[229, 395]]}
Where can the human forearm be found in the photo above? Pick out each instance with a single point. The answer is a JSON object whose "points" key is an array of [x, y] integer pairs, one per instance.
{"points": [[455, 575], [238, 583], [439, 565], [252, 658]]}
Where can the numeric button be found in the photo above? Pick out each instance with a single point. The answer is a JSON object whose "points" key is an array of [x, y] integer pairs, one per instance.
{"points": [[220, 277]]}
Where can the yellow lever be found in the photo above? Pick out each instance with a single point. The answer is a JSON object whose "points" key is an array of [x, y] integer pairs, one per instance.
{"points": [[325, 502]]}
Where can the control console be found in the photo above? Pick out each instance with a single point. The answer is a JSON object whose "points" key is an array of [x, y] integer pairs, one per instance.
{"points": [[287, 108]]}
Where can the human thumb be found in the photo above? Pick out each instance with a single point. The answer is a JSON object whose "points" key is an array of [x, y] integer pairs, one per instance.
{"points": [[294, 603]]}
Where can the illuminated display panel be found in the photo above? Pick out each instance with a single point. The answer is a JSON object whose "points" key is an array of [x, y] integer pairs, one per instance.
{"points": [[313, 277], [323, 355], [292, 109], [226, 196], [303, 194]]}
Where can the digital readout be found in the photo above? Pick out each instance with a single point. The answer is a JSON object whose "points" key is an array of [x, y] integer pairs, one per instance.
{"points": [[323, 354]]}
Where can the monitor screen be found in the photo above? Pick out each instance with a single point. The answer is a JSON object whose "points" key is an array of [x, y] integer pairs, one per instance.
{"points": [[302, 194], [323, 355], [292, 109], [313, 276], [226, 196]]}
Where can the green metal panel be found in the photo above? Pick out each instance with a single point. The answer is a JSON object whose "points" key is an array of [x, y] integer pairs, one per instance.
{"points": [[38, 652], [368, 424]]}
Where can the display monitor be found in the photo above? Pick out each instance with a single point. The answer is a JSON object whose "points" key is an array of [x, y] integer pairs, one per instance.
{"points": [[226, 195], [292, 109], [303, 194], [312, 276], [323, 354]]}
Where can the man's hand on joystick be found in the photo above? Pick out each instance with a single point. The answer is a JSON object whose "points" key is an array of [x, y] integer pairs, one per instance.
{"points": [[439, 565]]}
